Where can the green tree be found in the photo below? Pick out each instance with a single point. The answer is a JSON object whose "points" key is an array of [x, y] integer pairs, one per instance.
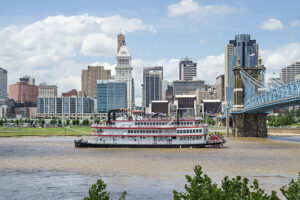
{"points": [[85, 122], [97, 121], [1, 122], [59, 122], [68, 122], [292, 190], [201, 187], [98, 192]]}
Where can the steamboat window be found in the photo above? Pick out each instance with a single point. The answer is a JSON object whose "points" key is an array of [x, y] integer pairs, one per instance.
{"points": [[148, 131], [174, 137], [134, 131], [194, 131], [200, 130], [142, 137]]}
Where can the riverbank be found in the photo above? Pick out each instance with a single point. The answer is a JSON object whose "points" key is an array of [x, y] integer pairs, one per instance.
{"points": [[49, 131]]}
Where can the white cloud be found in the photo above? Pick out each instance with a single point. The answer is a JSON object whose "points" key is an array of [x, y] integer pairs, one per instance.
{"points": [[276, 59], [272, 24], [203, 41], [194, 9], [98, 44], [49, 49], [295, 23], [210, 67]]}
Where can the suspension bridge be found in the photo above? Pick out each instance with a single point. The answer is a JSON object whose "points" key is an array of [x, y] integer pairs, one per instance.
{"points": [[253, 99]]}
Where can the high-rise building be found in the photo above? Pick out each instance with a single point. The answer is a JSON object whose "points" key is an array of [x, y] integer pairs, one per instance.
{"points": [[220, 87], [187, 69], [184, 87], [170, 93], [89, 79], [287, 74], [66, 107], [111, 95], [3, 84], [124, 73], [22, 92], [47, 90], [28, 79], [152, 84], [246, 50]]}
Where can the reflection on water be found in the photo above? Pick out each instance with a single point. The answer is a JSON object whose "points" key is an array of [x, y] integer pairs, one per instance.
{"points": [[51, 168]]}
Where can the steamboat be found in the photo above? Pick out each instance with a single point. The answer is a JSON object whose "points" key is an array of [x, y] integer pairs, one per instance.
{"points": [[151, 133]]}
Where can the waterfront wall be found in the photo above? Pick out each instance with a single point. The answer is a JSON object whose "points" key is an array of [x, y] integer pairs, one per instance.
{"points": [[284, 130]]}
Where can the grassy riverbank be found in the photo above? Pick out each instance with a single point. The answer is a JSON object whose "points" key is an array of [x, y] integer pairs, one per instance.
{"points": [[57, 131]]}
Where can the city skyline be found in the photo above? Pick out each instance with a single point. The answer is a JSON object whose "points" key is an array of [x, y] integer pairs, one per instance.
{"points": [[54, 45]]}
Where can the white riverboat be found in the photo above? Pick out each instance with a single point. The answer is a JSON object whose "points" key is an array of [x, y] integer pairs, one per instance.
{"points": [[151, 133]]}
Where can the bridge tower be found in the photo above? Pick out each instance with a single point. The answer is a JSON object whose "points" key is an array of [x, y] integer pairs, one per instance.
{"points": [[247, 124]]}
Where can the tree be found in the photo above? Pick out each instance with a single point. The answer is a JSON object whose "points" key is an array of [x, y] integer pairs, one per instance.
{"points": [[98, 192], [1, 122], [59, 122], [97, 121], [68, 122], [201, 187], [292, 190], [85, 122]]}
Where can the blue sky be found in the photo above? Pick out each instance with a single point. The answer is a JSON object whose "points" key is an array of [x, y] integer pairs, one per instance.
{"points": [[54, 40]]}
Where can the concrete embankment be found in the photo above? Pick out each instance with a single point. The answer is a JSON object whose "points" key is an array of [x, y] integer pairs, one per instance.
{"points": [[284, 131]]}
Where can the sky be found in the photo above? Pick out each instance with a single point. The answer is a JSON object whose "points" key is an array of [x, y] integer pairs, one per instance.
{"points": [[54, 40]]}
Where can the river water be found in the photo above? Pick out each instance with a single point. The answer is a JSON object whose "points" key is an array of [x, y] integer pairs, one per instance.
{"points": [[52, 168]]}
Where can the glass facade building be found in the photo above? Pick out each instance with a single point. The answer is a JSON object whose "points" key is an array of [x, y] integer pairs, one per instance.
{"points": [[3, 84], [246, 50], [111, 95], [152, 84]]}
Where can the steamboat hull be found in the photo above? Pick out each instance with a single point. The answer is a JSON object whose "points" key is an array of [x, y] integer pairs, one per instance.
{"points": [[81, 144]]}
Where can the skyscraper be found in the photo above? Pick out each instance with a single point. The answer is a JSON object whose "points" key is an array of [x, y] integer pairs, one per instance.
{"points": [[3, 84], [152, 84], [247, 51], [287, 74], [220, 87], [187, 69], [124, 72], [89, 79]]}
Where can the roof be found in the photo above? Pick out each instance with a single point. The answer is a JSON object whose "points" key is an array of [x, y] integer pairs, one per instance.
{"points": [[123, 52]]}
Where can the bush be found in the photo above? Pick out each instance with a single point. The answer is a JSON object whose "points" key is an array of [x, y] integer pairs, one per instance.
{"points": [[201, 187], [98, 192]]}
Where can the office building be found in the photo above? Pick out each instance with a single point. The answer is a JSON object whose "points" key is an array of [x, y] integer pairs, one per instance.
{"points": [[220, 87], [22, 92], [160, 107], [27, 79], [287, 74], [65, 107], [3, 85], [186, 105], [89, 79], [152, 84], [182, 87], [170, 93], [47, 90], [187, 70], [71, 93], [246, 50], [124, 73], [111, 95]]}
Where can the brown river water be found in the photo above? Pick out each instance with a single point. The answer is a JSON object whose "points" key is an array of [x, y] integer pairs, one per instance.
{"points": [[52, 168]]}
